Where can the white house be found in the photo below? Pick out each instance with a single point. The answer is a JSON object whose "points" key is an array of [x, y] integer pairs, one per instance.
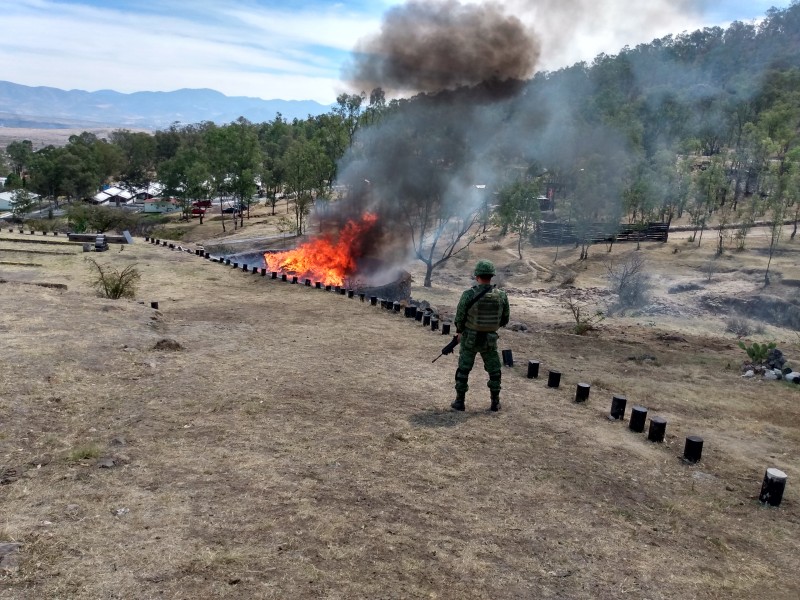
{"points": [[161, 205], [7, 200], [112, 196]]}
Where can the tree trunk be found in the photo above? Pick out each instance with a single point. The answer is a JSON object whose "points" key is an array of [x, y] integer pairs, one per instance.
{"points": [[428, 273]]}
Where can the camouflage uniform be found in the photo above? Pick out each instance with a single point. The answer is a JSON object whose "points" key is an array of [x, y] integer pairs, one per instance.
{"points": [[483, 342]]}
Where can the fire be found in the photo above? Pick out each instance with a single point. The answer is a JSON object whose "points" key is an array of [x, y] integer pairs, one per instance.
{"points": [[327, 258]]}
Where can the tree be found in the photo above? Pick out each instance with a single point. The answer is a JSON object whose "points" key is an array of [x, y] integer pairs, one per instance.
{"points": [[305, 166], [440, 228], [519, 209], [138, 158], [185, 176], [234, 159], [20, 153], [22, 202]]}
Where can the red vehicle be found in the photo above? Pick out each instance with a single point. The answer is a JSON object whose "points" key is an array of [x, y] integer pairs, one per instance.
{"points": [[202, 204], [198, 212]]}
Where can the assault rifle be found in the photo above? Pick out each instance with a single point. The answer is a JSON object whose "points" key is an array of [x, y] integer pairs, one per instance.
{"points": [[448, 349]]}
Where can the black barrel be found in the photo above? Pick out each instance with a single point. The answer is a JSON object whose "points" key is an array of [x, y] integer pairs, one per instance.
{"points": [[618, 404], [553, 379], [426, 320], [693, 449], [658, 428], [373, 300], [273, 274], [533, 369], [434, 324], [445, 328], [154, 305], [773, 487], [638, 419], [582, 392], [508, 358]]}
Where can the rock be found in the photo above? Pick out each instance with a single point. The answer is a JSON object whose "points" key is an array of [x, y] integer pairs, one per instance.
{"points": [[749, 373], [9, 557], [106, 462], [119, 441], [119, 512], [770, 376], [794, 377], [517, 326]]}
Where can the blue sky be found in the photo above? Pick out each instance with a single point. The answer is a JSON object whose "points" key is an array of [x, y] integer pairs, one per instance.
{"points": [[290, 50]]}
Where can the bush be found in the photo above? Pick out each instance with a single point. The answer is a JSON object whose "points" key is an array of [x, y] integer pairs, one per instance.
{"points": [[583, 323], [629, 281], [739, 326], [112, 283]]}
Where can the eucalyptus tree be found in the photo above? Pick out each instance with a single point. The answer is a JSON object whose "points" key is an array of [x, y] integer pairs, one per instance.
{"points": [[20, 154], [138, 149], [518, 208], [234, 158], [306, 167]]}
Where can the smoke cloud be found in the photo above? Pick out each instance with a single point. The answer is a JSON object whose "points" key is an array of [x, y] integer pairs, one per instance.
{"points": [[432, 46], [443, 44]]}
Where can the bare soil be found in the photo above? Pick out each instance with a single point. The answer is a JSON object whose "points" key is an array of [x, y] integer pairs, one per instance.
{"points": [[292, 443]]}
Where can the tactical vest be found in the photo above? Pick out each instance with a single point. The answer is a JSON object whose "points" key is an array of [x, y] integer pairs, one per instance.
{"points": [[486, 313]]}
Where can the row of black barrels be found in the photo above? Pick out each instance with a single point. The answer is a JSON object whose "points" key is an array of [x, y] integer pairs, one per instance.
{"points": [[32, 232], [774, 482]]}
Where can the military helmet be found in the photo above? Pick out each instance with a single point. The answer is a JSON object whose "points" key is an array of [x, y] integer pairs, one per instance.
{"points": [[484, 268]]}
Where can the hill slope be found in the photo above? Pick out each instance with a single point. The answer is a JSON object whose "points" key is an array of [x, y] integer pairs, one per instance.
{"points": [[46, 107]]}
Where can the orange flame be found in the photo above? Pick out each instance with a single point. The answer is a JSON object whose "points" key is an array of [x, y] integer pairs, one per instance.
{"points": [[328, 259]]}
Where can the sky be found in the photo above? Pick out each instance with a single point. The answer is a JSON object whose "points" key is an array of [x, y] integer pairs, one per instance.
{"points": [[292, 50]]}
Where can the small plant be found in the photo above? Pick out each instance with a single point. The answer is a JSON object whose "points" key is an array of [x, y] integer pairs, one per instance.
{"points": [[583, 323], [114, 284], [710, 269], [84, 452], [757, 352]]}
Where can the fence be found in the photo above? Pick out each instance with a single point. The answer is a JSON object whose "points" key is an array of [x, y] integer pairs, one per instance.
{"points": [[553, 234]]}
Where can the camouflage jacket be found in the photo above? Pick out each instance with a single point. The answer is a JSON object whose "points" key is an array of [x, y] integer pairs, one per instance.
{"points": [[468, 295]]}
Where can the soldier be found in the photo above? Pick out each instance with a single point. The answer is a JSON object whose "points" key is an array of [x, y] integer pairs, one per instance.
{"points": [[482, 310]]}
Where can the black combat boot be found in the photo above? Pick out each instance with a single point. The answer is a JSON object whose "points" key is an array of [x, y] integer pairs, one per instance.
{"points": [[458, 403], [495, 401]]}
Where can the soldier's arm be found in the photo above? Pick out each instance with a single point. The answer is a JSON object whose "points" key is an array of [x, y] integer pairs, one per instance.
{"points": [[506, 311], [461, 312]]}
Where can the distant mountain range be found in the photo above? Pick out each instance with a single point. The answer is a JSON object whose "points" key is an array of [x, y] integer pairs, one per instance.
{"points": [[52, 108]]}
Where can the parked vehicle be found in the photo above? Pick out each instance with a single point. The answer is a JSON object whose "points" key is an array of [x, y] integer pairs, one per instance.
{"points": [[202, 204]]}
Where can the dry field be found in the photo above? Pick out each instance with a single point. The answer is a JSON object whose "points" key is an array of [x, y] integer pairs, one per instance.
{"points": [[46, 137], [299, 444]]}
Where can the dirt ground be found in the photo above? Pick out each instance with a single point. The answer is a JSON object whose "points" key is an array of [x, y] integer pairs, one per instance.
{"points": [[298, 444]]}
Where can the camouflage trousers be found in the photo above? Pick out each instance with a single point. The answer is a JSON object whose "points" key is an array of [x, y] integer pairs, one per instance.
{"points": [[485, 344]]}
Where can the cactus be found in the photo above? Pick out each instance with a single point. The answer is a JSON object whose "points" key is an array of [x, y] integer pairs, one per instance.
{"points": [[757, 352]]}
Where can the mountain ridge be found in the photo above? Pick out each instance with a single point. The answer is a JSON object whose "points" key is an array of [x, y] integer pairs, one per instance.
{"points": [[50, 108]]}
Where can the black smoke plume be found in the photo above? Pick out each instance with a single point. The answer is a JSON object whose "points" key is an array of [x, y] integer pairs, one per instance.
{"points": [[433, 46]]}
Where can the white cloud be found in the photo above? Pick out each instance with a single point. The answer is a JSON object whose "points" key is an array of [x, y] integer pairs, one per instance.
{"points": [[242, 48]]}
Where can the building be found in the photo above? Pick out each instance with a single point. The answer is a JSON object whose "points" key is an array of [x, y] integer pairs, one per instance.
{"points": [[161, 205]]}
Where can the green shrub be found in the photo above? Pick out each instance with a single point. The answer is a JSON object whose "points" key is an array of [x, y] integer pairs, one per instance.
{"points": [[112, 283], [83, 452]]}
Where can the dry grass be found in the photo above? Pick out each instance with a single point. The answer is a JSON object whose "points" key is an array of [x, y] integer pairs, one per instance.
{"points": [[300, 446]]}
